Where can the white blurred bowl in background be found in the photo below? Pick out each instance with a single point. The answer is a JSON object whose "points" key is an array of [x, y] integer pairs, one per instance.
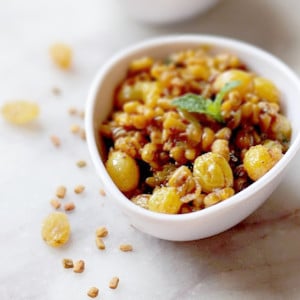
{"points": [[165, 11]]}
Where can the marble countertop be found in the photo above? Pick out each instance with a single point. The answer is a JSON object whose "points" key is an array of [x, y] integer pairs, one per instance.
{"points": [[257, 259]]}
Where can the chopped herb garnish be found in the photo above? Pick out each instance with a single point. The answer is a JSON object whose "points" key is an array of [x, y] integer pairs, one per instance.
{"points": [[199, 104], [168, 61]]}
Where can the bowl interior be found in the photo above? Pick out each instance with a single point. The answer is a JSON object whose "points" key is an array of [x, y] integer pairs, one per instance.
{"points": [[258, 61]]}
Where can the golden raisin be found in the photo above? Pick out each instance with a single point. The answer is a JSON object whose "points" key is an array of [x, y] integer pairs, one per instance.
{"points": [[213, 172], [259, 160], [245, 79], [56, 229], [265, 89], [61, 55], [20, 112], [123, 170], [165, 200]]}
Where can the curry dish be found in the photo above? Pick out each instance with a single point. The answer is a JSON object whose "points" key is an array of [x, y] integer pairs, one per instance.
{"points": [[190, 131]]}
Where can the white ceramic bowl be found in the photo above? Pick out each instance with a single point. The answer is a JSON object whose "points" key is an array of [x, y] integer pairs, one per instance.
{"points": [[165, 11], [228, 213]]}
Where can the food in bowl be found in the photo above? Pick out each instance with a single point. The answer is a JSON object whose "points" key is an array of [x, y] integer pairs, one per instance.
{"points": [[192, 130]]}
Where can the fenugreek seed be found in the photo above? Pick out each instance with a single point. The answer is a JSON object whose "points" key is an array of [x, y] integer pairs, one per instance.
{"points": [[81, 163], [100, 244], [113, 284], [55, 203], [61, 191], [93, 292], [81, 114], [73, 111], [55, 140], [101, 231], [82, 134], [56, 91], [78, 266], [102, 192], [69, 206], [126, 247], [67, 263], [79, 189], [75, 128]]}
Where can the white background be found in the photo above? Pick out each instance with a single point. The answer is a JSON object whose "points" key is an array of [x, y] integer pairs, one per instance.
{"points": [[258, 259]]}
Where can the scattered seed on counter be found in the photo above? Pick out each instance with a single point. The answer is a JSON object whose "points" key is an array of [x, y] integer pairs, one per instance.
{"points": [[79, 266], [81, 164], [79, 188], [82, 134], [100, 244], [81, 114], [61, 191], [113, 284], [55, 203], [75, 128], [56, 91], [102, 192], [126, 247], [55, 140], [69, 206], [73, 111], [93, 292], [101, 232], [67, 263]]}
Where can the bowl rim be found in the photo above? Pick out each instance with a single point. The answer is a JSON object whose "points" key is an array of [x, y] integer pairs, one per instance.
{"points": [[198, 39]]}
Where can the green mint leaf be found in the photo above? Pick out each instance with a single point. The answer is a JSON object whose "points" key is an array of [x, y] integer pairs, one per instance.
{"points": [[199, 104], [191, 103], [225, 89]]}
